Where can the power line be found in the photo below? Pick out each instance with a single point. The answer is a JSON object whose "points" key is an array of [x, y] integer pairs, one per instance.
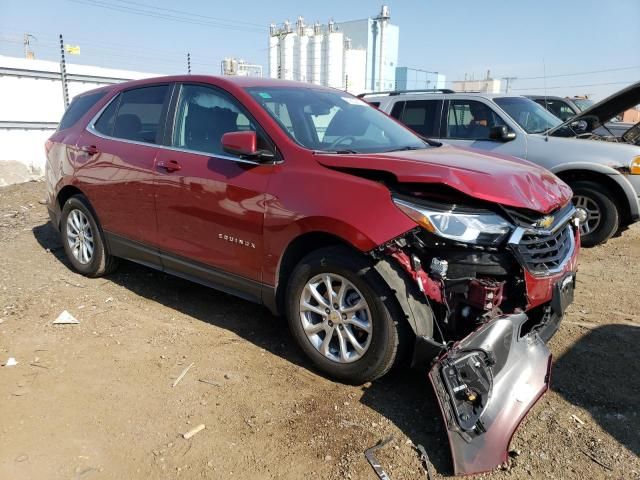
{"points": [[166, 16], [182, 12], [576, 86], [574, 74]]}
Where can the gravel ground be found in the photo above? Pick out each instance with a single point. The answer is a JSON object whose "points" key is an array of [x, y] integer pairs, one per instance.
{"points": [[96, 401]]}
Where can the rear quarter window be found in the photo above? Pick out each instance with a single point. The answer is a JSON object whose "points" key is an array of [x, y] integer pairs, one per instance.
{"points": [[78, 108]]}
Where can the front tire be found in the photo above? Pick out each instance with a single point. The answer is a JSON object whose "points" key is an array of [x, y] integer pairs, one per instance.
{"points": [[597, 212], [83, 239], [343, 315]]}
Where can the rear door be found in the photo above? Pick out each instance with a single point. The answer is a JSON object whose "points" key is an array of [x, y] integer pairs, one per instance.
{"points": [[467, 123], [120, 148], [210, 203]]}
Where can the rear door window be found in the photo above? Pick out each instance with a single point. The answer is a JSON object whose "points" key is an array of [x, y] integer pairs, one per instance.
{"points": [[79, 106], [421, 116], [105, 123], [137, 115]]}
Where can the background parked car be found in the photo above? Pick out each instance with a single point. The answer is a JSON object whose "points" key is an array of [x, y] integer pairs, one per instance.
{"points": [[605, 177], [567, 108]]}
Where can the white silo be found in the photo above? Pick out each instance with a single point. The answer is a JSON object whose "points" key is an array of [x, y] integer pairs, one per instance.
{"points": [[274, 51], [300, 52], [286, 52], [333, 57], [315, 55]]}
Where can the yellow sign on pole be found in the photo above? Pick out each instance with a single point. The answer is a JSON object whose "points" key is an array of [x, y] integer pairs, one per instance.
{"points": [[72, 49]]}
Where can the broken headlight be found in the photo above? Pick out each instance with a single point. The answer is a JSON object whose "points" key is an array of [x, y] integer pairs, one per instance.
{"points": [[454, 223]]}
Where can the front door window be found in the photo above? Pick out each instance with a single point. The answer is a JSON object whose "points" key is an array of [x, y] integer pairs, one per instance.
{"points": [[470, 120]]}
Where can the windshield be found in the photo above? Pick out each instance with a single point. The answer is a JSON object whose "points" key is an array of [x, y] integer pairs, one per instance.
{"points": [[333, 121], [582, 103], [528, 114]]}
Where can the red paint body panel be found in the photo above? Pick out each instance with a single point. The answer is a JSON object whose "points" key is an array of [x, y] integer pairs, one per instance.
{"points": [[119, 183], [486, 176], [209, 197]]}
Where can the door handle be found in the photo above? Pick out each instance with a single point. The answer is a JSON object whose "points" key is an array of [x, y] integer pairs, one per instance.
{"points": [[89, 149], [170, 166]]}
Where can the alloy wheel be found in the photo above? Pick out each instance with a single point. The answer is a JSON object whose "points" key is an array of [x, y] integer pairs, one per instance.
{"points": [[80, 236], [589, 214], [336, 318]]}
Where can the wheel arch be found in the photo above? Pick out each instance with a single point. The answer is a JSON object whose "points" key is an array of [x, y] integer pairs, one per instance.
{"points": [[63, 195], [412, 303], [603, 178], [296, 251]]}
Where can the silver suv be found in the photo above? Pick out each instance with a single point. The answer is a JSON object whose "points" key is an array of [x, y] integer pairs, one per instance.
{"points": [[604, 175]]}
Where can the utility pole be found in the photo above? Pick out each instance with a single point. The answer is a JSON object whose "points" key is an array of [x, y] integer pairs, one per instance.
{"points": [[63, 75], [509, 80], [189, 63], [28, 53]]}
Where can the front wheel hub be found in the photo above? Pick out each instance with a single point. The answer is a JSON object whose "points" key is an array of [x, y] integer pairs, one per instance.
{"points": [[588, 213], [345, 336]]}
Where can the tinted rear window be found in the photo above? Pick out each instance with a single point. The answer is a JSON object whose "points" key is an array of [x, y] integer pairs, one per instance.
{"points": [[105, 122], [140, 113], [78, 108]]}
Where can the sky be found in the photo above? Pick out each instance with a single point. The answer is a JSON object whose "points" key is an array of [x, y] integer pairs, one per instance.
{"points": [[574, 47]]}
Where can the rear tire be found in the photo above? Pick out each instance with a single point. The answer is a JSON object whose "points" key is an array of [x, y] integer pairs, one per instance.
{"points": [[597, 207], [83, 239], [378, 313]]}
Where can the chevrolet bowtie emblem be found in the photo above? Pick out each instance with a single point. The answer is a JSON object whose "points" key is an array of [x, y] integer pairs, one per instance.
{"points": [[545, 222]]}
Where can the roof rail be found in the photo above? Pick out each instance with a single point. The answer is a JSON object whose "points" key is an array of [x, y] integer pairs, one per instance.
{"points": [[399, 92]]}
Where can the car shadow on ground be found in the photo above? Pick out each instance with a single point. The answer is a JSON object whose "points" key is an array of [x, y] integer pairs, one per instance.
{"points": [[601, 374], [403, 396]]}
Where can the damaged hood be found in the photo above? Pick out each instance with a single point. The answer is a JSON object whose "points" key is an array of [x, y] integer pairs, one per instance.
{"points": [[603, 111], [493, 178]]}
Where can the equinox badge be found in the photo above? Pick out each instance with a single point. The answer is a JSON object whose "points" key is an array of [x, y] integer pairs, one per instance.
{"points": [[236, 240]]}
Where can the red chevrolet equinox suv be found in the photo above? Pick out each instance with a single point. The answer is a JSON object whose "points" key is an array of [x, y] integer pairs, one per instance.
{"points": [[376, 244]]}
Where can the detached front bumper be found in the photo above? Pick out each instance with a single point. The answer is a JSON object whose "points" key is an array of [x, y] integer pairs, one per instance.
{"points": [[485, 386]]}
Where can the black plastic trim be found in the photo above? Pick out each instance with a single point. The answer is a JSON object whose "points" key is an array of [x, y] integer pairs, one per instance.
{"points": [[206, 275]]}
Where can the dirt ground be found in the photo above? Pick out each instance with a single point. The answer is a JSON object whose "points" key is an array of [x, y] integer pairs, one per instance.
{"points": [[95, 400]]}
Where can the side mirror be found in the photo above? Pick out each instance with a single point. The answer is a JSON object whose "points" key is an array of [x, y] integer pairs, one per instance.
{"points": [[244, 144], [240, 143], [501, 133]]}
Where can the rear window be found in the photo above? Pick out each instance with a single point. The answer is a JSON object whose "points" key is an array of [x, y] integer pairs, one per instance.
{"points": [[78, 108]]}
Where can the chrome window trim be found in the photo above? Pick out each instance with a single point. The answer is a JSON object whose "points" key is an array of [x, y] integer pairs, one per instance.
{"points": [[91, 129]]}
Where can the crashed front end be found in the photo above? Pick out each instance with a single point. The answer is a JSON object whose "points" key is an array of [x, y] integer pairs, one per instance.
{"points": [[498, 280]]}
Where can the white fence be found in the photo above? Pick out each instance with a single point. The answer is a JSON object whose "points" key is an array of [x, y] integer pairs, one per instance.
{"points": [[31, 104]]}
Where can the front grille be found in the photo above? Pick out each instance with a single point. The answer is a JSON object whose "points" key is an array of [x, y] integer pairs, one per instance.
{"points": [[546, 253]]}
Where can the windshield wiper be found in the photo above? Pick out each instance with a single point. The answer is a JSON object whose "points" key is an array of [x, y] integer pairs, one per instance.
{"points": [[403, 149], [339, 152]]}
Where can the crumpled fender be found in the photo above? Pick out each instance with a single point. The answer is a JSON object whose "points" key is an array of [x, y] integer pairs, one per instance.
{"points": [[485, 385]]}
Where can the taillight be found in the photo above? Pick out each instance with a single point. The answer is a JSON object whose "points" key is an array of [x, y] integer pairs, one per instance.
{"points": [[48, 145]]}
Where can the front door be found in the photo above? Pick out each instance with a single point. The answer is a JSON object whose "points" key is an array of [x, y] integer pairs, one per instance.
{"points": [[210, 204]]}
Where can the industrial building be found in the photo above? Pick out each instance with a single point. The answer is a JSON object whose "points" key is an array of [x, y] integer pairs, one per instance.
{"points": [[235, 66], [408, 78], [380, 39], [356, 56], [486, 85]]}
